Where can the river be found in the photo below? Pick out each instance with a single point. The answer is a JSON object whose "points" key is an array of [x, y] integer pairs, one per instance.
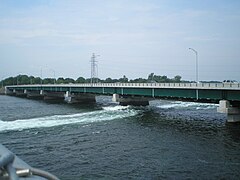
{"points": [[165, 140]]}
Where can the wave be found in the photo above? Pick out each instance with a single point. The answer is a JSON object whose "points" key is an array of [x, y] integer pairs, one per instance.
{"points": [[191, 105], [115, 108], [107, 114]]}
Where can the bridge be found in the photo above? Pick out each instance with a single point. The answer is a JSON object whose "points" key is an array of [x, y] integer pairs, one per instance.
{"points": [[226, 94]]}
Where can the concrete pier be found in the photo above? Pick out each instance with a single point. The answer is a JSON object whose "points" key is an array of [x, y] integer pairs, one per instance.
{"points": [[34, 95], [20, 93], [233, 113], [53, 96], [79, 98], [135, 101], [2, 91]]}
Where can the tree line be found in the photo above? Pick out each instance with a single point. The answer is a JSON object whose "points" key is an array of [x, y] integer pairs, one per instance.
{"points": [[25, 79]]}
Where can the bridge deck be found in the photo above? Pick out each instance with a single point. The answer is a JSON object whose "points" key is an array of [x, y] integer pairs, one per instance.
{"points": [[227, 86], [204, 91]]}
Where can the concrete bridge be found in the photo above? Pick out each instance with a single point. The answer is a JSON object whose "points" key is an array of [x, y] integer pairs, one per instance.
{"points": [[226, 94]]}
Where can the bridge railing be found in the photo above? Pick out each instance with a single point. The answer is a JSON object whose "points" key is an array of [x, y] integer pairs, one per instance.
{"points": [[167, 85], [145, 85]]}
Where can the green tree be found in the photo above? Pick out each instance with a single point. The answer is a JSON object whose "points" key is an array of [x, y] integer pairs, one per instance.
{"points": [[37, 80], [23, 79], [177, 79], [150, 77], [138, 80], [60, 80], [81, 80], [124, 79], [108, 80], [48, 81], [69, 80]]}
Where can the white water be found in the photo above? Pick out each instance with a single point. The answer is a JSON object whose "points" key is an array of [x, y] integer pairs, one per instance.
{"points": [[108, 113], [191, 105]]}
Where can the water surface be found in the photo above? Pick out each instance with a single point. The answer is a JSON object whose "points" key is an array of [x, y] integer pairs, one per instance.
{"points": [[166, 140]]}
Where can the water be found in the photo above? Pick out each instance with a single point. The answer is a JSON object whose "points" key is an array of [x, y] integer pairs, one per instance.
{"points": [[166, 140]]}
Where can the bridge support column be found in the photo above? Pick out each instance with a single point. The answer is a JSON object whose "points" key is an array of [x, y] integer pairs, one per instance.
{"points": [[233, 113], [20, 93], [79, 98], [53, 96], [8, 92], [135, 101], [35, 94]]}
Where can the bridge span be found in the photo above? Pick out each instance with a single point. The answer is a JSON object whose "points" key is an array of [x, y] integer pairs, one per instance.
{"points": [[226, 94]]}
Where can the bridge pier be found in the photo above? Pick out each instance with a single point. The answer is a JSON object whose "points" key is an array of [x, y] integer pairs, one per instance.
{"points": [[34, 94], [79, 98], [20, 93], [53, 96], [8, 92], [233, 113], [135, 101]]}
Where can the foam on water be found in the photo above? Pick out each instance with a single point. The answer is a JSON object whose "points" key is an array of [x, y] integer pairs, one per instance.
{"points": [[115, 108], [192, 105], [108, 113]]}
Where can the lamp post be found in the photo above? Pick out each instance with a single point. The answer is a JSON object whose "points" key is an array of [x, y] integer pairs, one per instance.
{"points": [[196, 70], [41, 76], [196, 63]]}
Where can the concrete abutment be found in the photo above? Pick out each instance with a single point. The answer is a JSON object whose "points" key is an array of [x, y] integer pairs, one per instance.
{"points": [[233, 112], [135, 101], [79, 98]]}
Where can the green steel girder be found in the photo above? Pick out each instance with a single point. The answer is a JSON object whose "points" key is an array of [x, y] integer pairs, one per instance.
{"points": [[233, 95], [109, 90], [178, 93], [210, 94], [135, 91]]}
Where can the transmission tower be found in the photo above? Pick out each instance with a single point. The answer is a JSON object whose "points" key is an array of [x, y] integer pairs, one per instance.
{"points": [[94, 70]]}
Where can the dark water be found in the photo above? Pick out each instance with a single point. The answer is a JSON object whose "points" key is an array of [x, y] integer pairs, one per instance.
{"points": [[167, 140]]}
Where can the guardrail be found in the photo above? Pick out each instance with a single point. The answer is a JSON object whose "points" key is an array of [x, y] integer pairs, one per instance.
{"points": [[11, 167], [232, 86]]}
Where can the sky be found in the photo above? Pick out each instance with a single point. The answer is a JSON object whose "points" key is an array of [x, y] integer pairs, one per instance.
{"points": [[132, 37]]}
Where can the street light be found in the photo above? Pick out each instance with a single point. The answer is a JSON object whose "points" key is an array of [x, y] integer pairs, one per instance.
{"points": [[41, 76], [196, 70], [196, 63]]}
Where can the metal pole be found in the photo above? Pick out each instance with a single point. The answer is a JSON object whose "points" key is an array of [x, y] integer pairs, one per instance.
{"points": [[196, 63], [41, 75], [92, 67], [196, 70], [94, 73]]}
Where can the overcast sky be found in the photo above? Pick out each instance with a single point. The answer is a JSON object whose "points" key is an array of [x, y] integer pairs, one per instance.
{"points": [[132, 37]]}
